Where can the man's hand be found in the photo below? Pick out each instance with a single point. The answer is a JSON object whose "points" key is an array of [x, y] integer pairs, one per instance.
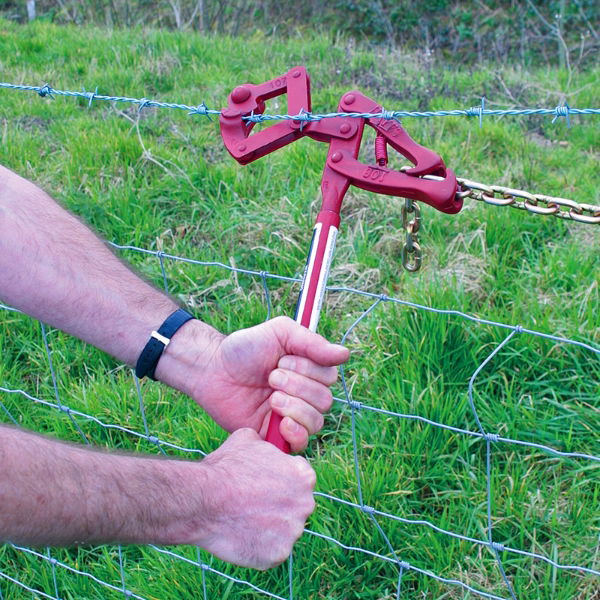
{"points": [[257, 501], [247, 502], [76, 284], [278, 365]]}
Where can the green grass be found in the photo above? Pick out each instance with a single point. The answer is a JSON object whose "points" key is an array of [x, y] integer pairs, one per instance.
{"points": [[193, 200]]}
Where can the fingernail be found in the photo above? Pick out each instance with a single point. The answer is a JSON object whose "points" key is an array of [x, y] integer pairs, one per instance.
{"points": [[278, 401], [278, 378], [294, 427], [339, 347]]}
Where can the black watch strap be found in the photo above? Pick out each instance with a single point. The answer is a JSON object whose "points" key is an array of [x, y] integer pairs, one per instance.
{"points": [[159, 340]]}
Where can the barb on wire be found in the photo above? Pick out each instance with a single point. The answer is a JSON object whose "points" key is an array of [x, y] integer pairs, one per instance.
{"points": [[564, 111], [375, 515]]}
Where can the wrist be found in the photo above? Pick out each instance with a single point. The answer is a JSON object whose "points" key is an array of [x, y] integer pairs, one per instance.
{"points": [[188, 354], [191, 507]]}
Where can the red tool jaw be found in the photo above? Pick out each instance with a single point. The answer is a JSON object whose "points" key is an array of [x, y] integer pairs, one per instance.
{"points": [[425, 160], [344, 135], [249, 99], [343, 168]]}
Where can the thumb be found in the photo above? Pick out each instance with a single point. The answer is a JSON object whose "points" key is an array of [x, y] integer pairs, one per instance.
{"points": [[300, 341]]}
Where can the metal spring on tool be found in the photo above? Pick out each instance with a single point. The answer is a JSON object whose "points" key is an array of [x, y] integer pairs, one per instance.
{"points": [[381, 155]]}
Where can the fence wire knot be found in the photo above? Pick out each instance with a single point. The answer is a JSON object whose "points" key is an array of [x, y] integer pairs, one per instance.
{"points": [[563, 111], [144, 103], [153, 439], [253, 118], [403, 564], [355, 404], [387, 114], [477, 111], [519, 328], [201, 109], [52, 561], [91, 96], [46, 90], [498, 547], [64, 409], [304, 117], [491, 437], [369, 510]]}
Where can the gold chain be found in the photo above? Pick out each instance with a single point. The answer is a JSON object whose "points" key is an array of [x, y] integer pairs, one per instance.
{"points": [[411, 251], [538, 204], [497, 195]]}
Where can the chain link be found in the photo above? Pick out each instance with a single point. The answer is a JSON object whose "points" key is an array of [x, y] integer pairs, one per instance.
{"points": [[411, 251], [538, 204], [496, 195]]}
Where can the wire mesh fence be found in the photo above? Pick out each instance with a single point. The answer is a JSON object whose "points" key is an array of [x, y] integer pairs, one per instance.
{"points": [[382, 502]]}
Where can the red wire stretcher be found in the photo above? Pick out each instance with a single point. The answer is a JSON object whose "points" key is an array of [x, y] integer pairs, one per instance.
{"points": [[342, 169]]}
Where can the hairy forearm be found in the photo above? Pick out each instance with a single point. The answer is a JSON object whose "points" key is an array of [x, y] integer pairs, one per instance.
{"points": [[247, 502], [54, 268], [52, 493]]}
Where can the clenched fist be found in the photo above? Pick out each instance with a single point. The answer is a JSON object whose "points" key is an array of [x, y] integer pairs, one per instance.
{"points": [[256, 501]]}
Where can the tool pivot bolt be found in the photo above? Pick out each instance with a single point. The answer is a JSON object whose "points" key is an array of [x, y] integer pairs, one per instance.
{"points": [[242, 147], [349, 98], [296, 74], [336, 157], [345, 128], [240, 94]]}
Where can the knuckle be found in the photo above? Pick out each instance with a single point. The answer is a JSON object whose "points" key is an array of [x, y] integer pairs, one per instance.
{"points": [[282, 554], [298, 531], [310, 478], [304, 468], [284, 320]]}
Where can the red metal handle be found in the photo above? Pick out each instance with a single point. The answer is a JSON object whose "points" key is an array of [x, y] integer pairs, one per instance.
{"points": [[310, 302]]}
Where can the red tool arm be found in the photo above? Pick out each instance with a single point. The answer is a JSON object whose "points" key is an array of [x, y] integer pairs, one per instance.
{"points": [[344, 135]]}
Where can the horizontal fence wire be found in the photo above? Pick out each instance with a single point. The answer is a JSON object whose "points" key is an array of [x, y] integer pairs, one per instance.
{"points": [[378, 518], [564, 110]]}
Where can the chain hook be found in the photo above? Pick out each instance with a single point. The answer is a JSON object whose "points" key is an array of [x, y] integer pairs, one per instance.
{"points": [[411, 250]]}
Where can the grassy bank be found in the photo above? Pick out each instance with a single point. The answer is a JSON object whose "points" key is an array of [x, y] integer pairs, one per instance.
{"points": [[161, 180]]}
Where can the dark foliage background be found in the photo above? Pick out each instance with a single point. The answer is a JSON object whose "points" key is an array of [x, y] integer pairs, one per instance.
{"points": [[526, 31]]}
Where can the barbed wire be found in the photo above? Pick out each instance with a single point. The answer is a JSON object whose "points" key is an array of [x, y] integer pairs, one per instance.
{"points": [[561, 111], [352, 407]]}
